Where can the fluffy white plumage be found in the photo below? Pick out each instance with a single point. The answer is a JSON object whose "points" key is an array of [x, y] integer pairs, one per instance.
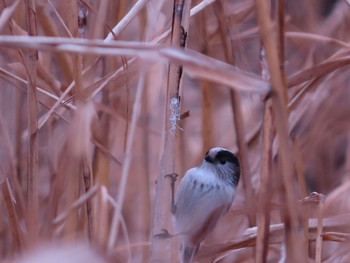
{"points": [[204, 195]]}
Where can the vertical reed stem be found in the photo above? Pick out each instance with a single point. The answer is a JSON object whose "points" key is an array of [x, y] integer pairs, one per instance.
{"points": [[265, 193], [32, 179], [161, 250], [293, 235]]}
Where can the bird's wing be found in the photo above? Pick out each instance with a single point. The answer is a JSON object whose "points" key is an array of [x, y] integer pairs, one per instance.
{"points": [[200, 202]]}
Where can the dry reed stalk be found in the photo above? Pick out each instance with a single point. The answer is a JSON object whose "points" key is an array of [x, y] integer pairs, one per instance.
{"points": [[11, 170], [83, 199], [88, 181], [294, 239], [64, 62], [75, 140], [70, 179], [101, 163], [78, 167], [276, 237], [12, 215], [281, 17], [307, 79], [207, 119], [319, 70], [144, 181], [196, 64], [85, 162], [199, 8], [20, 97], [265, 193], [115, 205], [207, 107], [102, 227], [318, 200], [162, 250], [32, 179], [127, 106], [101, 134], [126, 166], [237, 114], [299, 167], [281, 13], [42, 98], [319, 238], [126, 20], [316, 37], [297, 99], [7, 13], [276, 234]]}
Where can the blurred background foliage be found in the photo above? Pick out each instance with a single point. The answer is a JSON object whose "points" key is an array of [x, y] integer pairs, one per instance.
{"points": [[68, 192]]}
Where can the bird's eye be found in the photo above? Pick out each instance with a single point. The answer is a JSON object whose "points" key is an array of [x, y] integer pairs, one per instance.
{"points": [[222, 161]]}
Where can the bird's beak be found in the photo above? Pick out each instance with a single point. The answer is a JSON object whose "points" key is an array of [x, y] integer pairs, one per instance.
{"points": [[209, 159]]}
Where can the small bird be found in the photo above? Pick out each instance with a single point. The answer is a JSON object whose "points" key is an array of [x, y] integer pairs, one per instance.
{"points": [[204, 195]]}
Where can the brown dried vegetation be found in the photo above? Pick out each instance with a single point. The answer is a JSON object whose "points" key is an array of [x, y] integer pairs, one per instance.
{"points": [[101, 99]]}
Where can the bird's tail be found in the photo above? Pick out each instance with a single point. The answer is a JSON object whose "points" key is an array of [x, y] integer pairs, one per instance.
{"points": [[188, 253]]}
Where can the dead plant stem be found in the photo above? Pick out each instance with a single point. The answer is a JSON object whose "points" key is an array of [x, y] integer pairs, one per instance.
{"points": [[294, 236], [126, 166], [265, 194], [237, 113], [162, 250], [32, 180], [11, 211]]}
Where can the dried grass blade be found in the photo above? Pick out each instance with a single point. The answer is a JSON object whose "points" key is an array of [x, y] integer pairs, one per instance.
{"points": [[316, 37], [318, 71], [201, 6], [9, 75], [195, 63], [336, 236], [281, 17], [63, 24], [101, 221], [319, 238], [126, 19], [7, 13], [126, 166], [294, 237], [123, 225], [88, 181], [50, 28], [10, 159], [11, 211], [238, 120], [163, 250], [211, 69], [105, 151], [265, 193], [76, 204], [32, 181]]}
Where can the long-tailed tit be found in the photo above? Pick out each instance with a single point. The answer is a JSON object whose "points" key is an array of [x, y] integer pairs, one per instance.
{"points": [[204, 195]]}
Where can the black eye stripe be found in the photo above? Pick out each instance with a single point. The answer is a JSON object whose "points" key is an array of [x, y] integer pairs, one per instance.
{"points": [[227, 156], [222, 160]]}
